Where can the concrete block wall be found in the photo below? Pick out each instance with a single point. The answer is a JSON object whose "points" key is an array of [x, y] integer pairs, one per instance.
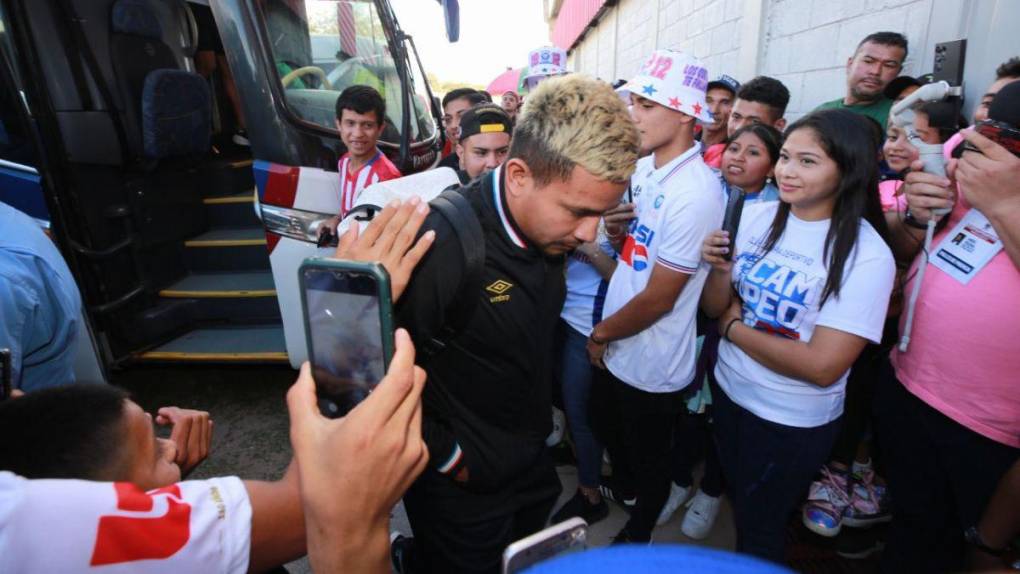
{"points": [[806, 43], [628, 33]]}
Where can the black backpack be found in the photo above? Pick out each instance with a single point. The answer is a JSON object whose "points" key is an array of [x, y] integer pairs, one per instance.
{"points": [[456, 209]]}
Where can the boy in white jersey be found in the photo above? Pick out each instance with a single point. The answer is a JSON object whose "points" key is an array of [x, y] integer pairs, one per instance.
{"points": [[646, 343]]}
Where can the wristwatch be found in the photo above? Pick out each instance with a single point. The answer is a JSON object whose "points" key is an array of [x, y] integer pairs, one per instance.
{"points": [[973, 537]]}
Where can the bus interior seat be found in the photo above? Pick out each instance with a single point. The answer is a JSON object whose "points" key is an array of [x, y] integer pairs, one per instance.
{"points": [[168, 110]]}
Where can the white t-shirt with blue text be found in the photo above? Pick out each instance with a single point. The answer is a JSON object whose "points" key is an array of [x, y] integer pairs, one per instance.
{"points": [[586, 290], [677, 206], [781, 292]]}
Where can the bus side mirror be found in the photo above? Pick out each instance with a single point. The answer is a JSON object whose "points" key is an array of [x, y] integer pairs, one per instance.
{"points": [[451, 14]]}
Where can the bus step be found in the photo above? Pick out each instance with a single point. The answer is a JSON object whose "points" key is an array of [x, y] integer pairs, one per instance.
{"points": [[226, 285], [239, 344], [245, 197], [227, 249], [227, 175], [237, 210], [229, 237]]}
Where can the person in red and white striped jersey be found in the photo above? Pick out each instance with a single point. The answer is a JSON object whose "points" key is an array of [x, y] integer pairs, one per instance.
{"points": [[360, 118]]}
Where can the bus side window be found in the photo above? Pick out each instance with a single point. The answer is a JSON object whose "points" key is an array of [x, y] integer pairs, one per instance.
{"points": [[15, 146]]}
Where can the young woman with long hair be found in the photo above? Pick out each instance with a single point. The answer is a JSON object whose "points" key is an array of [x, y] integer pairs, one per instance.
{"points": [[748, 163], [807, 288]]}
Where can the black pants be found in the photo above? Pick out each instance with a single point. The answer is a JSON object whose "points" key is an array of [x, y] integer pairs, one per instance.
{"points": [[693, 438], [860, 393], [768, 468], [940, 476], [693, 441], [637, 428], [458, 530]]}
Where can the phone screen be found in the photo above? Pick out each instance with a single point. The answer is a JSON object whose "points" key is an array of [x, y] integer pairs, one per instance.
{"points": [[346, 345]]}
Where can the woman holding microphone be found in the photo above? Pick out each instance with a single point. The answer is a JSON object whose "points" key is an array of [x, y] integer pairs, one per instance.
{"points": [[807, 287]]}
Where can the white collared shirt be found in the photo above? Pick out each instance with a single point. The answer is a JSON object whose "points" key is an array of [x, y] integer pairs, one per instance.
{"points": [[677, 206]]}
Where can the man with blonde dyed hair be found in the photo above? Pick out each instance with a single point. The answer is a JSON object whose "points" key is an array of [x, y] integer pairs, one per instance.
{"points": [[486, 408]]}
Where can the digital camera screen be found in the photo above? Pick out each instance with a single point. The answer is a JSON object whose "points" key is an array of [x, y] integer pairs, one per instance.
{"points": [[346, 338]]}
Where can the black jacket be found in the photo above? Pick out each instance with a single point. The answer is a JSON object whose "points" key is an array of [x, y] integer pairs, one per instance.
{"points": [[487, 399]]}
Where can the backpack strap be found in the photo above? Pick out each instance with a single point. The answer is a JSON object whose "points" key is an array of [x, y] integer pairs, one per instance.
{"points": [[456, 209]]}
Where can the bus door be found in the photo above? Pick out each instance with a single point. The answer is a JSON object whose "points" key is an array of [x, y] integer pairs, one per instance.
{"points": [[21, 184], [290, 60]]}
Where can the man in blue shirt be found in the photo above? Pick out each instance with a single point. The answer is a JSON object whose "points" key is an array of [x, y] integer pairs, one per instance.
{"points": [[40, 305]]}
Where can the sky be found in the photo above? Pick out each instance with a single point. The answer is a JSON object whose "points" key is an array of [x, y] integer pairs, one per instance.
{"points": [[494, 34]]}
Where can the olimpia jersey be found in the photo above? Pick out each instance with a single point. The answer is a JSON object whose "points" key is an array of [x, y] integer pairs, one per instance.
{"points": [[678, 204]]}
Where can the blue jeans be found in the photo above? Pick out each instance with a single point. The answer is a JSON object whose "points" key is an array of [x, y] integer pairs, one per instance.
{"points": [[768, 468], [576, 378]]}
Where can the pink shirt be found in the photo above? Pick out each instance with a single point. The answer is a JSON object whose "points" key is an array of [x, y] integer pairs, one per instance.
{"points": [[964, 355], [713, 155], [887, 195]]}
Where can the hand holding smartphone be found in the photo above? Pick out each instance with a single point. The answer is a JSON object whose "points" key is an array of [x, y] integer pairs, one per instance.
{"points": [[731, 219], [348, 316], [567, 536]]}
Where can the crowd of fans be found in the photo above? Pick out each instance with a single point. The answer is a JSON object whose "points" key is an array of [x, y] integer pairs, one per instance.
{"points": [[771, 354]]}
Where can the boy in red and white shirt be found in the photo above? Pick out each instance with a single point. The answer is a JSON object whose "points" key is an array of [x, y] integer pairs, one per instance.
{"points": [[360, 118]]}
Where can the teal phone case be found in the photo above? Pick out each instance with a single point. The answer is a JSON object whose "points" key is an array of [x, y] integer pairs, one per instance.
{"points": [[383, 292]]}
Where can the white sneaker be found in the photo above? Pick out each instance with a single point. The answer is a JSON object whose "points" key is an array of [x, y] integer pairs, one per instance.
{"points": [[677, 496], [701, 514], [559, 421]]}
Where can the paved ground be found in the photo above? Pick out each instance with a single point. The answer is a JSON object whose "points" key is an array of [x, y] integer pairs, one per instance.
{"points": [[251, 441]]}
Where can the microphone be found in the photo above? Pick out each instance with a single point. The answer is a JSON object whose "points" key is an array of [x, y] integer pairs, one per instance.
{"points": [[731, 219]]}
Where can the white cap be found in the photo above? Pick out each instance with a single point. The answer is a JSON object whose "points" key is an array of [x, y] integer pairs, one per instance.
{"points": [[673, 79], [546, 61]]}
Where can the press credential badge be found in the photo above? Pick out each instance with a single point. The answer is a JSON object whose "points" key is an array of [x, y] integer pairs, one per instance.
{"points": [[967, 248]]}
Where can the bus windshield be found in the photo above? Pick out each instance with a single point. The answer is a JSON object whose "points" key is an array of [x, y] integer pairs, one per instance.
{"points": [[320, 47]]}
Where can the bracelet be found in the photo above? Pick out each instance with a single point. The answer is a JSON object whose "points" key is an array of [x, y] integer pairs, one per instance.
{"points": [[912, 221], [726, 332]]}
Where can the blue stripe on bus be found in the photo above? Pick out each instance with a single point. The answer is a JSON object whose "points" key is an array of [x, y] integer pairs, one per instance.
{"points": [[23, 191], [261, 170]]}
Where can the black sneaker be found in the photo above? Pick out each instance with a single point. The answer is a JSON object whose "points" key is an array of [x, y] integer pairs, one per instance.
{"points": [[612, 491], [625, 537], [859, 544], [401, 553], [579, 506]]}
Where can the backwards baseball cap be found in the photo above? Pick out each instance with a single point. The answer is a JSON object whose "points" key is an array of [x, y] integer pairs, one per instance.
{"points": [[725, 82], [484, 119], [672, 79], [896, 87]]}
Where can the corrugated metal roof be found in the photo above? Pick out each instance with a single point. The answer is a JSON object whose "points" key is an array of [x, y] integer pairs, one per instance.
{"points": [[574, 17]]}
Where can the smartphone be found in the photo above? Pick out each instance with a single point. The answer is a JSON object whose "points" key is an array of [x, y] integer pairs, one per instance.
{"points": [[348, 316], [563, 538], [731, 219], [6, 378], [999, 132]]}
